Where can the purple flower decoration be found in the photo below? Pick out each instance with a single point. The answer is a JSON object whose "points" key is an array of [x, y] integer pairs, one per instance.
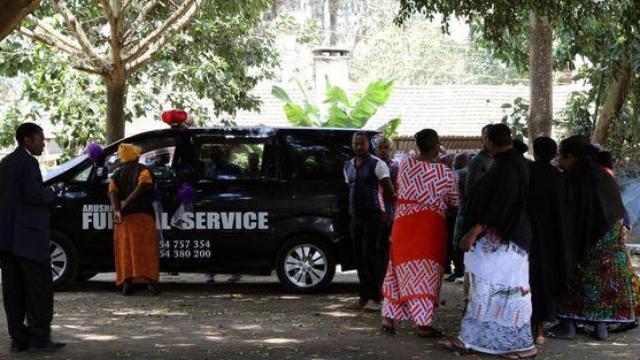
{"points": [[187, 194], [94, 151]]}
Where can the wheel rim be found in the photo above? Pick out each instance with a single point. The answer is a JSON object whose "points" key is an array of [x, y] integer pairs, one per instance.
{"points": [[59, 260], [305, 265]]}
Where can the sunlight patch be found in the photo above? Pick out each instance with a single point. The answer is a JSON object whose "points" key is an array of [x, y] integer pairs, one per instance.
{"points": [[280, 341], [97, 337], [246, 327], [214, 338], [338, 314]]}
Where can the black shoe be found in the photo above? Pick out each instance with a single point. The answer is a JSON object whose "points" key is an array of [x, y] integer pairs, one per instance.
{"points": [[451, 278], [153, 289], [48, 346], [17, 346], [127, 290]]}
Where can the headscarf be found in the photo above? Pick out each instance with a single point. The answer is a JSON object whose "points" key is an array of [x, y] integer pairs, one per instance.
{"points": [[499, 199], [593, 196], [545, 148], [520, 146], [128, 152]]}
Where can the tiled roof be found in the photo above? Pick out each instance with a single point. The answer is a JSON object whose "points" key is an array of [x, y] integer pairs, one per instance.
{"points": [[452, 110]]}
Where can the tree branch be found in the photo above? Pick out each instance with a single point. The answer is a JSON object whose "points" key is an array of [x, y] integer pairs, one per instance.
{"points": [[18, 11], [43, 38], [113, 19], [55, 34], [165, 39], [138, 21], [183, 15], [77, 30], [88, 69]]}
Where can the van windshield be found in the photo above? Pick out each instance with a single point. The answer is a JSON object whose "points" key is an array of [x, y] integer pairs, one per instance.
{"points": [[63, 167]]}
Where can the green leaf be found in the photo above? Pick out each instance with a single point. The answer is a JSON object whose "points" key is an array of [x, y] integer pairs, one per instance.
{"points": [[375, 95], [280, 93], [390, 129], [297, 115]]}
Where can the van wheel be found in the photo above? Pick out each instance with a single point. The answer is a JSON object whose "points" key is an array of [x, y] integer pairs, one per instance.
{"points": [[305, 264], [64, 261]]}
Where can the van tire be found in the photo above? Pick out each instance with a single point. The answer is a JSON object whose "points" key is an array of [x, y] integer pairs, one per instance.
{"points": [[306, 264], [64, 261]]}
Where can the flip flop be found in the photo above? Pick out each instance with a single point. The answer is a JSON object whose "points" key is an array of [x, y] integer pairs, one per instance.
{"points": [[520, 355], [454, 345]]}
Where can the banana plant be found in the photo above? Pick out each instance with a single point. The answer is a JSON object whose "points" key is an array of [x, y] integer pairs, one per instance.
{"points": [[343, 111]]}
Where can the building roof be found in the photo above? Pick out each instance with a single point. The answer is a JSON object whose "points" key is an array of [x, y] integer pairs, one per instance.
{"points": [[451, 110]]}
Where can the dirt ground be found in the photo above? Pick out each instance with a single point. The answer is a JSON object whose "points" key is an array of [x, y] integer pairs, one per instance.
{"points": [[257, 319]]}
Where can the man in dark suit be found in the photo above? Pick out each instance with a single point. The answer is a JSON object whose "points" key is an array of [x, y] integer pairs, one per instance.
{"points": [[27, 287]]}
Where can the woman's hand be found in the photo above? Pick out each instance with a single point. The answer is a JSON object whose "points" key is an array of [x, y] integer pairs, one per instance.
{"points": [[467, 241], [625, 233], [117, 217], [123, 204]]}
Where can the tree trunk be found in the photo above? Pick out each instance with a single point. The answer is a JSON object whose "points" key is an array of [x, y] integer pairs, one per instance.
{"points": [[540, 77], [612, 107], [116, 100], [333, 22], [12, 12]]}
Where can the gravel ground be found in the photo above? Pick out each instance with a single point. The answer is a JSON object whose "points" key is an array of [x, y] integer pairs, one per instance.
{"points": [[257, 319]]}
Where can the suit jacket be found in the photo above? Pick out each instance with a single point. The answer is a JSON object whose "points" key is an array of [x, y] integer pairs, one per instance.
{"points": [[24, 207]]}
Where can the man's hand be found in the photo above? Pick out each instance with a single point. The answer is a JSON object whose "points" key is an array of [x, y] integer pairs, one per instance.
{"points": [[117, 217], [57, 187]]}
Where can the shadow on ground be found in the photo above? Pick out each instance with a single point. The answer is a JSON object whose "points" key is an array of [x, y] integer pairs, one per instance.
{"points": [[257, 319]]}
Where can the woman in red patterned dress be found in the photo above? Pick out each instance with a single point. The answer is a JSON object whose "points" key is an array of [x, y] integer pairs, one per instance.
{"points": [[418, 241]]}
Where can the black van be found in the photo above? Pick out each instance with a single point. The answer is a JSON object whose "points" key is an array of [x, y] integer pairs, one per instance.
{"points": [[266, 198]]}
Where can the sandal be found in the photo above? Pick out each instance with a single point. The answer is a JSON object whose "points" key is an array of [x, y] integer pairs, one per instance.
{"points": [[429, 332], [388, 330], [454, 344], [530, 354]]}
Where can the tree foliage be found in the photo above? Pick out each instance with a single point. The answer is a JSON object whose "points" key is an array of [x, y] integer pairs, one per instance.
{"points": [[598, 38], [207, 69]]}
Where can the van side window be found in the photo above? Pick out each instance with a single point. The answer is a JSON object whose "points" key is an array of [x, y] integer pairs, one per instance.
{"points": [[229, 159], [320, 157], [158, 154], [82, 175]]}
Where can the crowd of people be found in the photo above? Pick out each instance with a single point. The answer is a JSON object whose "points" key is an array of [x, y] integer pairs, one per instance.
{"points": [[535, 242], [538, 244]]}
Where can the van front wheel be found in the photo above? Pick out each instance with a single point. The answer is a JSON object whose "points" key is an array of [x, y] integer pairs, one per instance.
{"points": [[64, 261], [306, 264]]}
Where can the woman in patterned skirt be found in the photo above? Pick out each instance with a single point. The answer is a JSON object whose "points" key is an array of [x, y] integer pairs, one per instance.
{"points": [[497, 318], [602, 291], [418, 241]]}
